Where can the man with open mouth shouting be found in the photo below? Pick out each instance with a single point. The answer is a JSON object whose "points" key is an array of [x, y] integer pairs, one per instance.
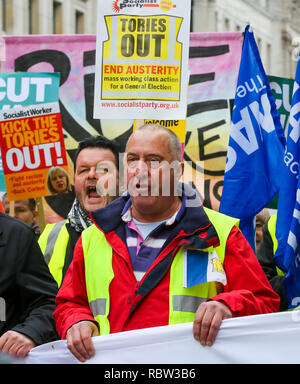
{"points": [[151, 259], [96, 184]]}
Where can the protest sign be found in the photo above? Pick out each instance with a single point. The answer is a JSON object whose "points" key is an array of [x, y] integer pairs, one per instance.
{"points": [[2, 180], [142, 59], [31, 143], [23, 88]]}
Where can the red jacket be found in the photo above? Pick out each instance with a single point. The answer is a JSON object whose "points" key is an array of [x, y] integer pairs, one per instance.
{"points": [[247, 292]]}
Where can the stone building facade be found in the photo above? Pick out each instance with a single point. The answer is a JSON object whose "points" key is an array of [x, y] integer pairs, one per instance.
{"points": [[276, 26], [276, 23], [21, 17]]}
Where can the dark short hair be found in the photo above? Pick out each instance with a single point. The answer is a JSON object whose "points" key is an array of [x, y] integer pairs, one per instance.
{"points": [[98, 142]]}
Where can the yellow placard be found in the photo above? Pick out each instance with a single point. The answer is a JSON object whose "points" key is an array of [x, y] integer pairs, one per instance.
{"points": [[141, 58]]}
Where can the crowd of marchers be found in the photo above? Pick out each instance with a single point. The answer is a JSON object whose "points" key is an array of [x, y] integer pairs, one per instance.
{"points": [[116, 262]]}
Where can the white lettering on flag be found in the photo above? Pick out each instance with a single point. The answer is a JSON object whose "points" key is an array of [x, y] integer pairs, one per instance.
{"points": [[231, 159], [295, 132], [292, 241], [265, 120], [248, 145], [296, 215]]}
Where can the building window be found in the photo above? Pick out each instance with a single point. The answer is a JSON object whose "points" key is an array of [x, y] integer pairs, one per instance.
{"points": [[259, 44], [33, 16], [192, 16], [4, 8], [7, 15], [79, 22], [57, 17], [216, 21], [227, 25]]}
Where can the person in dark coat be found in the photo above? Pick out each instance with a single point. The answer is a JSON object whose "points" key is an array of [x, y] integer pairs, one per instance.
{"points": [[27, 290]]}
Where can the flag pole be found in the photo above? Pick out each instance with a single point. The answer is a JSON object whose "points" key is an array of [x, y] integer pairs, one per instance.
{"points": [[12, 208], [41, 213]]}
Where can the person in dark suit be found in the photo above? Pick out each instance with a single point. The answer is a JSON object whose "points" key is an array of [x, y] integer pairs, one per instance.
{"points": [[27, 290]]}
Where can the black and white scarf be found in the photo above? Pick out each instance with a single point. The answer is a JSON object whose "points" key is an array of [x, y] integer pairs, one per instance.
{"points": [[79, 219]]}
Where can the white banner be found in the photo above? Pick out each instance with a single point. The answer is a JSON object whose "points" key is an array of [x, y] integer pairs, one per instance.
{"points": [[261, 339]]}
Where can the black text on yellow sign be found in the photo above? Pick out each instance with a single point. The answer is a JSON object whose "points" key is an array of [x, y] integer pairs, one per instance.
{"points": [[143, 37], [142, 54]]}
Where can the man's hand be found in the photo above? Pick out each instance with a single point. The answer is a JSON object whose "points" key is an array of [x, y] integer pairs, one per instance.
{"points": [[208, 319], [79, 339], [15, 344]]}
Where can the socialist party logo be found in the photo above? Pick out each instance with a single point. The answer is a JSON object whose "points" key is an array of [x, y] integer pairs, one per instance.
{"points": [[164, 5]]}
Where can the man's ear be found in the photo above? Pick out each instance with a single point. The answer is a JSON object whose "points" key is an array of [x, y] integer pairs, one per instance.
{"points": [[179, 170]]}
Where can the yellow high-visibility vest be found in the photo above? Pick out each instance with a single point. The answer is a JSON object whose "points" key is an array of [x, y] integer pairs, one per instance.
{"points": [[272, 231], [183, 301], [53, 243]]}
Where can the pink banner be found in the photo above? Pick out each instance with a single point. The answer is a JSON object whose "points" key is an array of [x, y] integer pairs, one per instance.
{"points": [[214, 62]]}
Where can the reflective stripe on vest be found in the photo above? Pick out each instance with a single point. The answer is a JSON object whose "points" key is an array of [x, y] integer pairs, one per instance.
{"points": [[44, 237], [98, 257], [98, 307], [272, 232], [52, 240], [54, 244], [183, 302]]}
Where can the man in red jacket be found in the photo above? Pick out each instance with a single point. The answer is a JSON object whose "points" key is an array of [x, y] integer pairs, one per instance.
{"points": [[137, 243]]}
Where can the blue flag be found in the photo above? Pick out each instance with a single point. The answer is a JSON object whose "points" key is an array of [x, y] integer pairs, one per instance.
{"points": [[287, 256], [256, 144]]}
